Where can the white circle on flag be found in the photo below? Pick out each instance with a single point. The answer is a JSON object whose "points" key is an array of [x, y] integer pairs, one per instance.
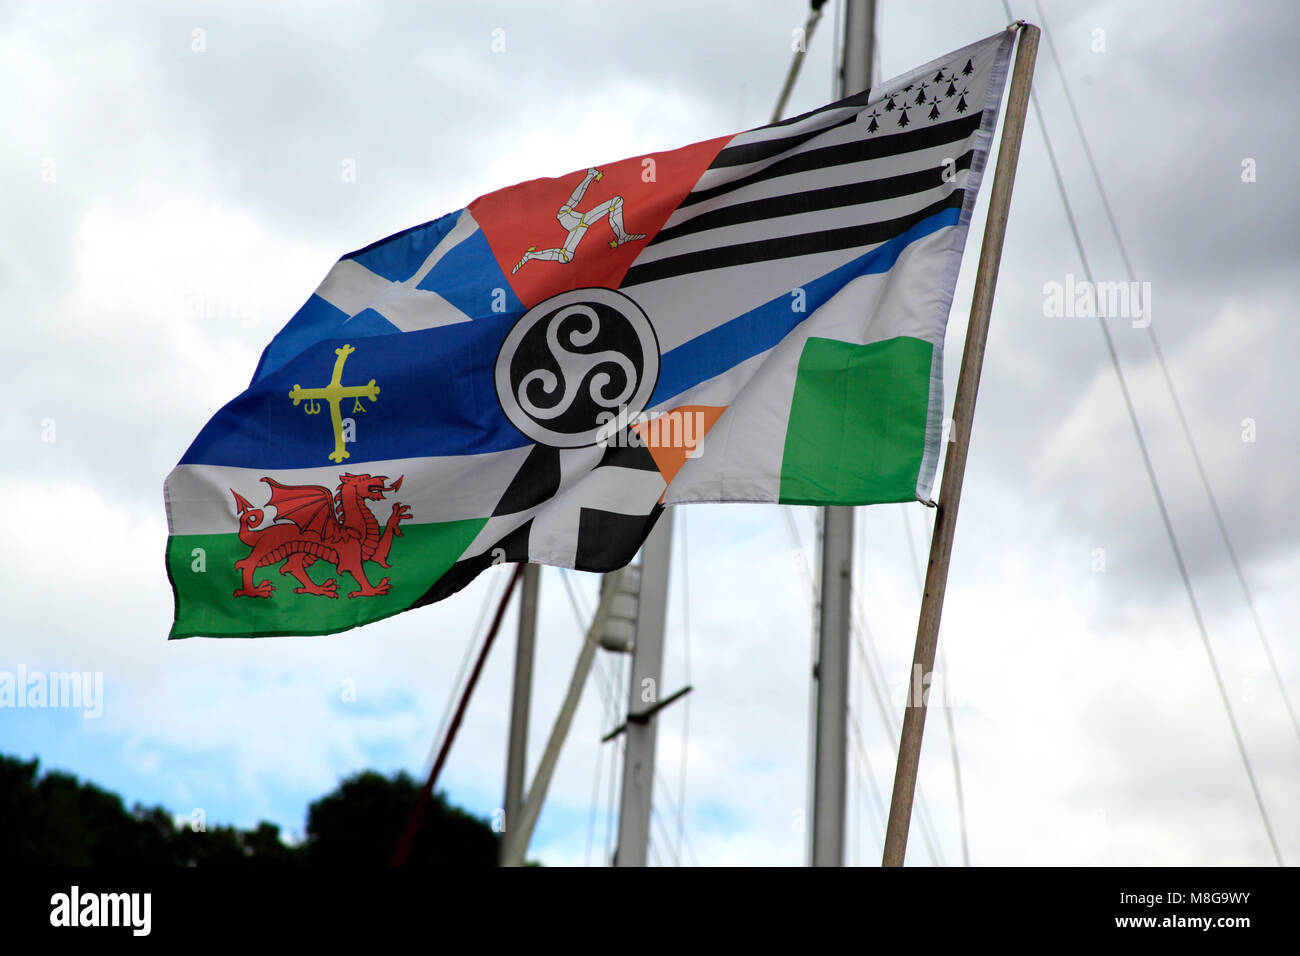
{"points": [[575, 362]]}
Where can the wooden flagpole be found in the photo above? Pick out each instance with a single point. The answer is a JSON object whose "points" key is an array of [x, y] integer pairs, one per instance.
{"points": [[954, 467]]}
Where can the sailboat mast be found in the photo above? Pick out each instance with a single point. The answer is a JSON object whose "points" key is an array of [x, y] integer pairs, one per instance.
{"points": [[643, 694], [830, 758], [521, 698]]}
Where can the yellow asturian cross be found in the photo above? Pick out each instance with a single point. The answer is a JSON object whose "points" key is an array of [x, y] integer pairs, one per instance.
{"points": [[333, 393]]}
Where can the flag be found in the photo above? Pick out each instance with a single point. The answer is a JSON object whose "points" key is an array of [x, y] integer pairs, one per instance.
{"points": [[757, 317]]}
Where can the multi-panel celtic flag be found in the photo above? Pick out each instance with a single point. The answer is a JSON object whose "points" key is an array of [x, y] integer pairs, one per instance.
{"points": [[758, 317]]}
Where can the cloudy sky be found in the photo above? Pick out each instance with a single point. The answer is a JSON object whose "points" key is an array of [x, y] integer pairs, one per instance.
{"points": [[173, 187]]}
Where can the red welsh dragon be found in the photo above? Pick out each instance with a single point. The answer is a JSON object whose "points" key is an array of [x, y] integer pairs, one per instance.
{"points": [[311, 526]]}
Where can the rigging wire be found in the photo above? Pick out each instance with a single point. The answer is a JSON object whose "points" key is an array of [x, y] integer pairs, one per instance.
{"points": [[814, 15], [809, 581], [810, 725], [1169, 383], [876, 797], [876, 670], [948, 707], [667, 799], [490, 597], [411, 831], [857, 668], [654, 851], [620, 757], [1155, 484], [609, 685], [805, 566], [595, 797], [868, 650], [606, 715], [873, 668], [686, 680], [853, 835], [657, 817], [862, 695], [837, 52]]}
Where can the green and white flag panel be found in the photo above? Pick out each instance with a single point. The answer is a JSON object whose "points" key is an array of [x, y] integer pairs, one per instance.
{"points": [[847, 409]]}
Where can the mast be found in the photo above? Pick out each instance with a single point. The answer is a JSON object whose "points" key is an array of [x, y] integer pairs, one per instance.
{"points": [[644, 702], [517, 748], [831, 673], [643, 695], [520, 833]]}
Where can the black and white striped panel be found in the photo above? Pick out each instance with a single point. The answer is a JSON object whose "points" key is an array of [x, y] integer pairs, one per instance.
{"points": [[849, 176]]}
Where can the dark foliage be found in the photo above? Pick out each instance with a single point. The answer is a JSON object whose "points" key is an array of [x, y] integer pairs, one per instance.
{"points": [[361, 821], [56, 820]]}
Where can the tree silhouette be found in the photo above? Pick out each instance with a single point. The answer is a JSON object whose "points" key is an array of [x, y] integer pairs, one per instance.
{"points": [[56, 820], [360, 823]]}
